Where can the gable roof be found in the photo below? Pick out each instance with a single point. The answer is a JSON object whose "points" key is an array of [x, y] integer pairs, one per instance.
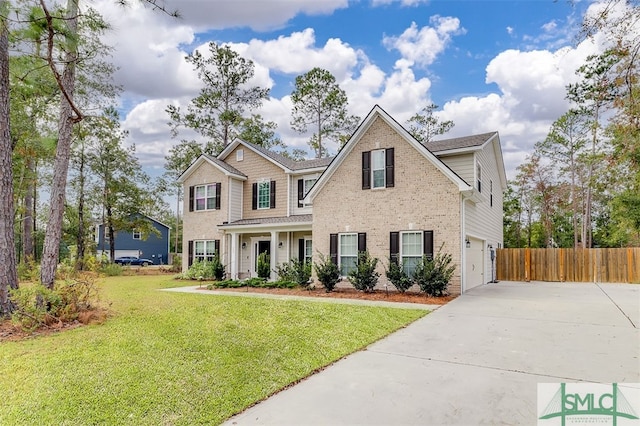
{"points": [[225, 168], [470, 144], [461, 143], [378, 112], [287, 164]]}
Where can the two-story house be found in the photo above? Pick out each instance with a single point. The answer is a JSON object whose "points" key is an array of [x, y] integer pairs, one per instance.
{"points": [[384, 192], [247, 201]]}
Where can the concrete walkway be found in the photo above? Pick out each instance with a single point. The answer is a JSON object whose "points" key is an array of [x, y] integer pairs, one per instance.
{"points": [[476, 360]]}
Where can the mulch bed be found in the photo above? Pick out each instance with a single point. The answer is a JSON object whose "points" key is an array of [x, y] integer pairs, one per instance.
{"points": [[348, 293]]}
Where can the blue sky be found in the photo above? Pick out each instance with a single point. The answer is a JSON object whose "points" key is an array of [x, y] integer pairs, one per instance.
{"points": [[490, 65]]}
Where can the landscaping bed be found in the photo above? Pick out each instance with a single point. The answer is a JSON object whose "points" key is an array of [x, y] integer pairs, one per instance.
{"points": [[347, 293]]}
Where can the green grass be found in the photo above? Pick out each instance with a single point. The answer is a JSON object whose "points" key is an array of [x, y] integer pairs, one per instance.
{"points": [[174, 358]]}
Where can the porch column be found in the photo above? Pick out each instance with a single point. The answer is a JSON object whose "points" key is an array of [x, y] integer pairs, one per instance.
{"points": [[233, 256], [274, 253]]}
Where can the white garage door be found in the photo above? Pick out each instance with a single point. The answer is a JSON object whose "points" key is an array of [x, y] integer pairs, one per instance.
{"points": [[121, 253], [475, 264]]}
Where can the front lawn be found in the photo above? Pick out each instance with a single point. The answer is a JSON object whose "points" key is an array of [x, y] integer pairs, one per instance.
{"points": [[175, 358]]}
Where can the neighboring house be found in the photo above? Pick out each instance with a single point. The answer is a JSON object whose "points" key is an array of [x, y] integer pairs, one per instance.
{"points": [[153, 247], [384, 192]]}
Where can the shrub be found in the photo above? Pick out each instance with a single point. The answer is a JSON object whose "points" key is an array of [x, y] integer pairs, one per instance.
{"points": [[398, 277], [176, 263], [327, 272], [112, 270], [36, 305], [28, 271], [433, 275], [225, 284], [206, 270], [296, 271], [264, 266], [364, 276]]}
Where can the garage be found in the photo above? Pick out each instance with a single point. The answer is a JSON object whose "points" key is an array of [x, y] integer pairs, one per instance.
{"points": [[475, 265]]}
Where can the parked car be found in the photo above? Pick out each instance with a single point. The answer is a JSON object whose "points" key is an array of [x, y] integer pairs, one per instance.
{"points": [[134, 261]]}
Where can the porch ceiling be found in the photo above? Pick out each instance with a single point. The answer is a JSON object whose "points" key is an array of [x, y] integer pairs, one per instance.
{"points": [[301, 222]]}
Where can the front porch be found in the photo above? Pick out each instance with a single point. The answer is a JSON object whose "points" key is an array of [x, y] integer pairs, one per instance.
{"points": [[282, 238]]}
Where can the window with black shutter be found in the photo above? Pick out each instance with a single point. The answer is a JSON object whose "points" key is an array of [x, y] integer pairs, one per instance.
{"points": [[389, 168], [254, 196], [190, 252], [394, 246], [366, 170], [428, 244], [300, 192], [272, 199], [191, 197], [333, 248]]}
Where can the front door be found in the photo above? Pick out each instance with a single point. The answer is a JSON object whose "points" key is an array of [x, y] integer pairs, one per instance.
{"points": [[262, 246]]}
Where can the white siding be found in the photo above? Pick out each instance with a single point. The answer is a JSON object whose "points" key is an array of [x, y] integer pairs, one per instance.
{"points": [[235, 199], [483, 220], [461, 164]]}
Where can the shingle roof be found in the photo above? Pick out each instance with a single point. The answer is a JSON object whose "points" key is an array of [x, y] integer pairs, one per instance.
{"points": [[459, 143], [272, 220], [224, 165], [288, 162]]}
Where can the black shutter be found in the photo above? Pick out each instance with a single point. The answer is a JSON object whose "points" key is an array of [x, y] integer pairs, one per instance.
{"points": [[300, 192], [191, 196], [362, 241], [216, 247], [333, 248], [272, 201], [428, 244], [254, 196], [389, 171], [366, 170], [301, 249], [190, 253], [394, 247], [218, 190]]}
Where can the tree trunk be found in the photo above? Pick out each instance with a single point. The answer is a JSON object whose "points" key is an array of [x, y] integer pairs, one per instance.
{"points": [[53, 235], [81, 229], [8, 271]]}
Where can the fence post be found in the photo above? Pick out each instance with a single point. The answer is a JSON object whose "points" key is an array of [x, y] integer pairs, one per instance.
{"points": [[527, 264]]}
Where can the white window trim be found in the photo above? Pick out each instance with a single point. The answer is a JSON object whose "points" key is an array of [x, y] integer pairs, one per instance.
{"points": [[240, 155], [340, 249], [421, 251], [478, 176], [205, 255], [308, 239], [206, 197], [268, 183], [138, 233], [384, 167]]}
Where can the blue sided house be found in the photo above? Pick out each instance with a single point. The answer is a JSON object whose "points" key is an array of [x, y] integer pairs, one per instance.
{"points": [[151, 246]]}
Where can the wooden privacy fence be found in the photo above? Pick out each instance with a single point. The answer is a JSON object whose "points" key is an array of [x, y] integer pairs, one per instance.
{"points": [[611, 265]]}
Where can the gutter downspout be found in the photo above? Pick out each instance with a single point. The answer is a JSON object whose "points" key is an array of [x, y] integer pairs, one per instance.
{"points": [[463, 247]]}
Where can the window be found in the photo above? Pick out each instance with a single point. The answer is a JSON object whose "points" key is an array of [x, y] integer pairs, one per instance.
{"points": [[204, 197], [408, 247], [308, 251], [205, 250], [304, 186], [491, 193], [410, 250], [378, 169], [348, 253], [240, 155], [344, 249], [137, 235], [479, 177], [264, 194]]}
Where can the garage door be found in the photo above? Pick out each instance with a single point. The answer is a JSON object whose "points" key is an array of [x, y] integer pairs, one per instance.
{"points": [[475, 263]]}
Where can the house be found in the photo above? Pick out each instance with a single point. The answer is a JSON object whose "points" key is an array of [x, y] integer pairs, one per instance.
{"points": [[153, 246], [246, 201], [387, 193], [384, 192]]}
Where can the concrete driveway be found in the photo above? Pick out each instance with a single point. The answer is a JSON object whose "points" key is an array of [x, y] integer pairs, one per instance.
{"points": [[477, 360]]}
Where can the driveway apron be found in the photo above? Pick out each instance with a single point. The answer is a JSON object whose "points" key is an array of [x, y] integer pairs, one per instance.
{"points": [[476, 360]]}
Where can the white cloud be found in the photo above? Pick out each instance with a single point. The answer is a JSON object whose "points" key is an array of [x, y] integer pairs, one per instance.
{"points": [[422, 46]]}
